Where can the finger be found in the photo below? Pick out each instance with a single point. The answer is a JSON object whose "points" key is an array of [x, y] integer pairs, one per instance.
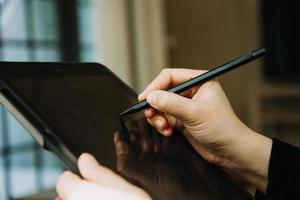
{"points": [[126, 162], [191, 92], [172, 104], [168, 78], [159, 122], [120, 146], [67, 183], [166, 131], [146, 140], [132, 131], [122, 153], [174, 123], [150, 112], [171, 121], [116, 137], [92, 171], [156, 142]]}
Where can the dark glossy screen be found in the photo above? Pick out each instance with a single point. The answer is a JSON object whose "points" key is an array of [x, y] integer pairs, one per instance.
{"points": [[81, 104]]}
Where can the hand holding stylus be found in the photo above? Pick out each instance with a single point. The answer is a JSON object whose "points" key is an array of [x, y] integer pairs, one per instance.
{"points": [[202, 78], [206, 118]]}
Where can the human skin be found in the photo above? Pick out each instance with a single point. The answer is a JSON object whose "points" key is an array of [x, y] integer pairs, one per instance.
{"points": [[205, 117], [97, 182]]}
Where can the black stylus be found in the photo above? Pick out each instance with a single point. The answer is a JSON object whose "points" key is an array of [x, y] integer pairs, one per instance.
{"points": [[204, 77]]}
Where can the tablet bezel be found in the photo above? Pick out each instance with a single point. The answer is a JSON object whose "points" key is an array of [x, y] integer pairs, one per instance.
{"points": [[37, 128]]}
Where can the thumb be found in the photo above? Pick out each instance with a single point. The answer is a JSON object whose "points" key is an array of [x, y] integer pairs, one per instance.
{"points": [[171, 104], [92, 171]]}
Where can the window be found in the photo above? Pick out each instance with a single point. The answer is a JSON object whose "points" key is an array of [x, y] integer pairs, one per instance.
{"points": [[34, 30], [86, 36]]}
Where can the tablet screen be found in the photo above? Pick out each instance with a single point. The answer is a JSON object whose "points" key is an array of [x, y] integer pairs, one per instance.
{"points": [[81, 104]]}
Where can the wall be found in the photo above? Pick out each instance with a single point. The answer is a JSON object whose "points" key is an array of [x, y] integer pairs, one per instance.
{"points": [[130, 39], [205, 34]]}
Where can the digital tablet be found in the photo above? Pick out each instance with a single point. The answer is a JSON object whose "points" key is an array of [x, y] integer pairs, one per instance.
{"points": [[71, 108]]}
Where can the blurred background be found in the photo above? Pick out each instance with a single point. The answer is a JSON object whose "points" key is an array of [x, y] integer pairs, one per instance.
{"points": [[136, 39]]}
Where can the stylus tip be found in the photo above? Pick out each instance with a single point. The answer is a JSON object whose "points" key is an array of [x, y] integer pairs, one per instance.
{"points": [[135, 108], [126, 112]]}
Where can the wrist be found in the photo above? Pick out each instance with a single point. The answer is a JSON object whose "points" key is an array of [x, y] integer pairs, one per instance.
{"points": [[249, 157]]}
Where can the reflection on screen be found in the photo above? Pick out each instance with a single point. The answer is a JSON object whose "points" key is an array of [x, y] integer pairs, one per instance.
{"points": [[82, 103]]}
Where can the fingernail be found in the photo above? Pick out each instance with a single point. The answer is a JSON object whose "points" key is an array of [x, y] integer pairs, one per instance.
{"points": [[139, 96], [151, 98], [58, 198]]}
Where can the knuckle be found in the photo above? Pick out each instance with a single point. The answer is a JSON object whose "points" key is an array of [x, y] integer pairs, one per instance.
{"points": [[165, 71]]}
